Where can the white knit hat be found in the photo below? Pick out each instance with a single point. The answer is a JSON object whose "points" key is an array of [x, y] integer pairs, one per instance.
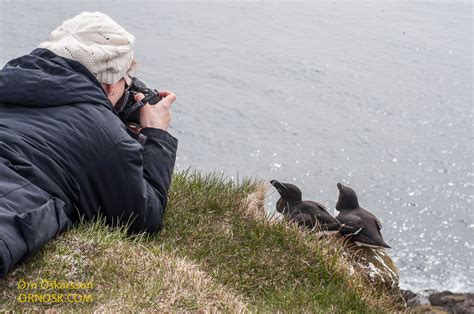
{"points": [[97, 42]]}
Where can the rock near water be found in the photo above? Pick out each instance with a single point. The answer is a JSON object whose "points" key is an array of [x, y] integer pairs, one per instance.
{"points": [[429, 301]]}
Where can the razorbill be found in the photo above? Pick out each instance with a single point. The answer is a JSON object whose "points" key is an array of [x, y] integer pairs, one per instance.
{"points": [[359, 225]]}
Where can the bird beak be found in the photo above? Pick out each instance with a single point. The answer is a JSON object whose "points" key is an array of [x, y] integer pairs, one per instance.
{"points": [[279, 186], [340, 187]]}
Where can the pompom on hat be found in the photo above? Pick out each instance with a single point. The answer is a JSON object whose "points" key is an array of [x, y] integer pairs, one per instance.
{"points": [[96, 41]]}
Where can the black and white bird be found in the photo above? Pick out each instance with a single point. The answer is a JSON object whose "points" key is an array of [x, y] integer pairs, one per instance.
{"points": [[307, 214], [358, 224]]}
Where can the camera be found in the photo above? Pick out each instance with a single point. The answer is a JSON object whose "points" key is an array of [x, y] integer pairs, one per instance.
{"points": [[128, 108]]}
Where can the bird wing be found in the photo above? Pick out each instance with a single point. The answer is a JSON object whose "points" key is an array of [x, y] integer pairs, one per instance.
{"points": [[321, 206], [363, 240], [318, 214], [367, 213], [304, 220], [351, 224], [323, 216]]}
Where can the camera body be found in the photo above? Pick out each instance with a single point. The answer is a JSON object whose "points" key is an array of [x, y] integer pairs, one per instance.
{"points": [[128, 108]]}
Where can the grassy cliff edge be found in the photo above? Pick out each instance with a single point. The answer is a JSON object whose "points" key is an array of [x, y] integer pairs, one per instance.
{"points": [[218, 251]]}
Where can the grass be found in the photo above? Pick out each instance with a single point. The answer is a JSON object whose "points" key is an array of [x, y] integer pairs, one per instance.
{"points": [[218, 251]]}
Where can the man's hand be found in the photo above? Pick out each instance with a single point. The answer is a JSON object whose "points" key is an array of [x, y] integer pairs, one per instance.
{"points": [[157, 116]]}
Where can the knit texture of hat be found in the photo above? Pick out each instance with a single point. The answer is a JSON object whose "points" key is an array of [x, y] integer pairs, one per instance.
{"points": [[96, 41]]}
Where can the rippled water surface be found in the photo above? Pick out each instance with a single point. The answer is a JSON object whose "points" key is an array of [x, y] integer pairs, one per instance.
{"points": [[374, 95]]}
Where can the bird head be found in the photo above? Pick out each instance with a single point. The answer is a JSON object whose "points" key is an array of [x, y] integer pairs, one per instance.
{"points": [[289, 192], [347, 198]]}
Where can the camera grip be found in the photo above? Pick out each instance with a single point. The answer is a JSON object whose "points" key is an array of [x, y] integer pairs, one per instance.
{"points": [[154, 98]]}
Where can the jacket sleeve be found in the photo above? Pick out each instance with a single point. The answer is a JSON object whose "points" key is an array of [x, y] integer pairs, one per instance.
{"points": [[133, 181]]}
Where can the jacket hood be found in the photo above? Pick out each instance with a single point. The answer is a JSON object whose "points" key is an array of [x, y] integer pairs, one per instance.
{"points": [[43, 79]]}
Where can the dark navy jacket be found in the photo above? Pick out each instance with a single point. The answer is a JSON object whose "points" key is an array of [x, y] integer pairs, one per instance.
{"points": [[64, 152]]}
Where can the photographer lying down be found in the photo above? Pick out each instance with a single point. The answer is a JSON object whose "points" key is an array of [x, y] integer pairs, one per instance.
{"points": [[66, 145]]}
